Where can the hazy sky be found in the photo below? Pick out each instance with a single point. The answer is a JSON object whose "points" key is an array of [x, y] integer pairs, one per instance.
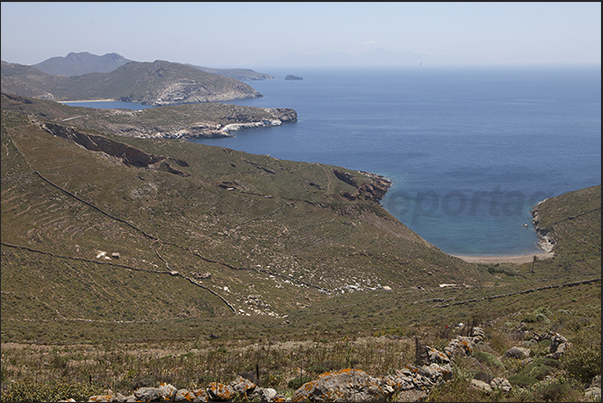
{"points": [[245, 34]]}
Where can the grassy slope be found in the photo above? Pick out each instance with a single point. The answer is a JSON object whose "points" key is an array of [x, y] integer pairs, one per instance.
{"points": [[305, 229], [282, 219]]}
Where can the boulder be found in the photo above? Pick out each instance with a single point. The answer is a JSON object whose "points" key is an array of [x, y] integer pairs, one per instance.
{"points": [[220, 392], [481, 385], [435, 356], [501, 383], [517, 352], [242, 386], [184, 395], [164, 392], [347, 385]]}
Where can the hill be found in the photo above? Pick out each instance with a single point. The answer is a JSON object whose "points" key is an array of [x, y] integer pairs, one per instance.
{"points": [[77, 64], [178, 121], [157, 83], [132, 261], [287, 232]]}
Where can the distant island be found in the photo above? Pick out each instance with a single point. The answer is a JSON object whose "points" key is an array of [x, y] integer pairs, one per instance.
{"points": [[293, 77]]}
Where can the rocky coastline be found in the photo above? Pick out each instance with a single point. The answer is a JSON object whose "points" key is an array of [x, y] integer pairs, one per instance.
{"points": [[546, 242]]}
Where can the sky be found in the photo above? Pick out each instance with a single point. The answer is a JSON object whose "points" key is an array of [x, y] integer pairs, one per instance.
{"points": [[230, 34]]}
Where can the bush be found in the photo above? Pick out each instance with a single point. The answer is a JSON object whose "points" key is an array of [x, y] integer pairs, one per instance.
{"points": [[583, 362], [522, 381], [553, 392], [488, 359], [29, 390]]}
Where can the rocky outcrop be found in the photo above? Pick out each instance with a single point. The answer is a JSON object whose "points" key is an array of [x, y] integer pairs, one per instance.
{"points": [[125, 153], [546, 242], [293, 77], [412, 383], [374, 190]]}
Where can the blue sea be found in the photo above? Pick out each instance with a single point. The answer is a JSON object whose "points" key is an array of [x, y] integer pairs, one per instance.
{"points": [[470, 151]]}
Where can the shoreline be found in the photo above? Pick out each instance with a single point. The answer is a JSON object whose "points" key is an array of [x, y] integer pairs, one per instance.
{"points": [[517, 259]]}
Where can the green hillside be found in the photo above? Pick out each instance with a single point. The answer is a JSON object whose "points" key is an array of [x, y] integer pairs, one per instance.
{"points": [[132, 261]]}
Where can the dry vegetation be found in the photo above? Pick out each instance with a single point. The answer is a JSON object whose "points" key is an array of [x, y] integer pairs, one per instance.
{"points": [[249, 260]]}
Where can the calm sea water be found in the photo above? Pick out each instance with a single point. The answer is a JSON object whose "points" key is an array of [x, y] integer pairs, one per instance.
{"points": [[469, 151]]}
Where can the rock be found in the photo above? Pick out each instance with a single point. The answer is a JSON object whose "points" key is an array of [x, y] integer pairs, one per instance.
{"points": [[347, 385], [121, 398], [501, 383], [200, 395], [242, 386], [596, 382], [517, 352], [437, 373], [265, 394], [481, 385], [219, 391], [165, 391], [593, 393], [293, 77], [184, 395], [436, 356], [399, 381], [478, 334], [559, 350], [461, 346], [146, 394], [107, 397], [556, 341]]}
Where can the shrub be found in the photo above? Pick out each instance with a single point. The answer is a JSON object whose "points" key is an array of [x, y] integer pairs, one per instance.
{"points": [[583, 362], [29, 390], [522, 381], [488, 359], [553, 392]]}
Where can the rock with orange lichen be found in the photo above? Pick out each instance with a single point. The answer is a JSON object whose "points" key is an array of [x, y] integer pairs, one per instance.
{"points": [[242, 386], [218, 392]]}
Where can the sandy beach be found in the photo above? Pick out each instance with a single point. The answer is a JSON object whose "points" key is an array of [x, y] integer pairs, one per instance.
{"points": [[518, 259]]}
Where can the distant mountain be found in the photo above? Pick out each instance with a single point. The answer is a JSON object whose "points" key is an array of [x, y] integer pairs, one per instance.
{"points": [[77, 64], [156, 83]]}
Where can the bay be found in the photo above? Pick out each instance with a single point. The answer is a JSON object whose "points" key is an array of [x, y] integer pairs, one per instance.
{"points": [[470, 151]]}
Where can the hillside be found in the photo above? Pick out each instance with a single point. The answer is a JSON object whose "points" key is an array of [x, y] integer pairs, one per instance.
{"points": [[77, 64], [178, 121], [127, 262], [290, 233], [157, 83]]}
